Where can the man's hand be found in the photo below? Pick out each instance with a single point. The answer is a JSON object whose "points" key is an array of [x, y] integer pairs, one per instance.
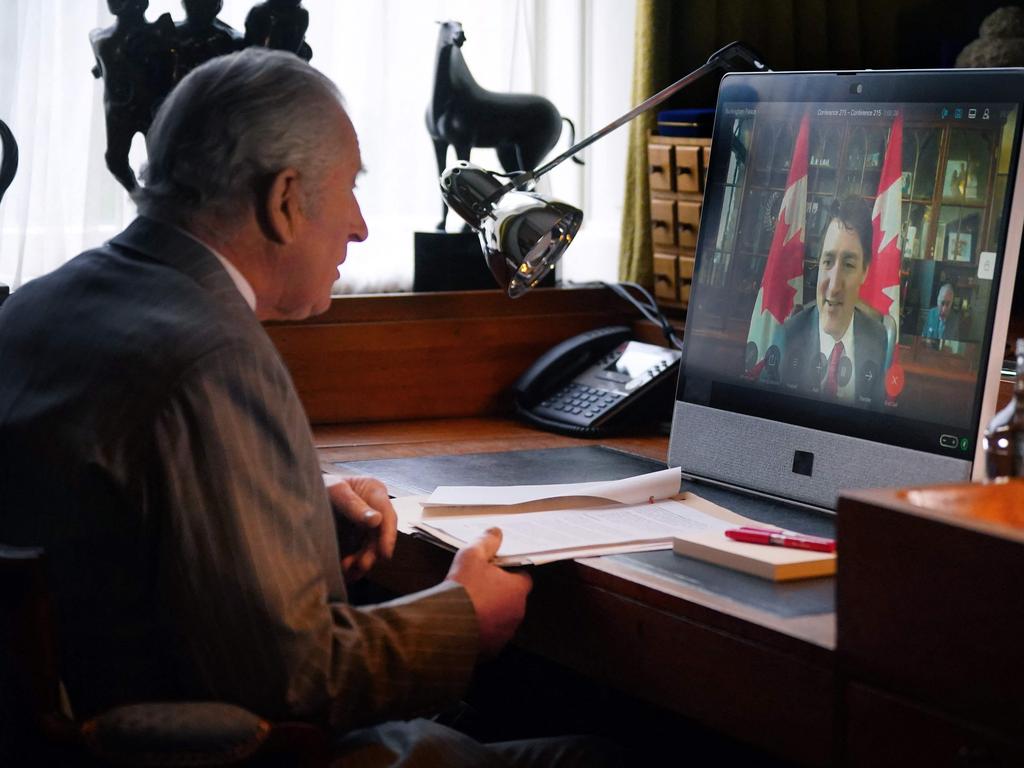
{"points": [[365, 517], [498, 596]]}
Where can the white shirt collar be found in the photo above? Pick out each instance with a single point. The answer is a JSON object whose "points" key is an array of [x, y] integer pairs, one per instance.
{"points": [[845, 391], [237, 277], [826, 341]]}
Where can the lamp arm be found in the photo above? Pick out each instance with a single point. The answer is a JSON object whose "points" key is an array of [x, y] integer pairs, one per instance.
{"points": [[720, 58]]}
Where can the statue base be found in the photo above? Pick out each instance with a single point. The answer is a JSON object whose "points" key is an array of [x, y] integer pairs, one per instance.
{"points": [[453, 261], [449, 262]]}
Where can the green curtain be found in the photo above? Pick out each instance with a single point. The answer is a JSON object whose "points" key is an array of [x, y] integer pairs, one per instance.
{"points": [[674, 37], [650, 60]]}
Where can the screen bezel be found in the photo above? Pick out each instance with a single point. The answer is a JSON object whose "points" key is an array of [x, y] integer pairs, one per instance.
{"points": [[895, 87]]}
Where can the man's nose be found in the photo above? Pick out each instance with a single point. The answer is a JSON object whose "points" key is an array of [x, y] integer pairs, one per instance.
{"points": [[359, 231], [833, 283]]}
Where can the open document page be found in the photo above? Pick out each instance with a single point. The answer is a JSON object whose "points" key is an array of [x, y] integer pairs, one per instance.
{"points": [[594, 524]]}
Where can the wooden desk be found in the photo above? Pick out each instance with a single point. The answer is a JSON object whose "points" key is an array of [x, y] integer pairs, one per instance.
{"points": [[771, 680], [759, 677]]}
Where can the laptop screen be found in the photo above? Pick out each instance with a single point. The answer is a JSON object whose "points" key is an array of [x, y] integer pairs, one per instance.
{"points": [[852, 248]]}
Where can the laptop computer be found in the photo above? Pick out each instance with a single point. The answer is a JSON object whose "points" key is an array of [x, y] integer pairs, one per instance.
{"points": [[853, 281]]}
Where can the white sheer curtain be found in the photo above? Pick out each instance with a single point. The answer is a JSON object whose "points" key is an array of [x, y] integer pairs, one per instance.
{"points": [[381, 53], [49, 99]]}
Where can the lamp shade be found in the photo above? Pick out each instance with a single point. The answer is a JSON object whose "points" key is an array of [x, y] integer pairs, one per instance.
{"points": [[522, 232]]}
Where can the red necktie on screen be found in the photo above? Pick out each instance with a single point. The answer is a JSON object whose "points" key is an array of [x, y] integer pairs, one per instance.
{"points": [[832, 378]]}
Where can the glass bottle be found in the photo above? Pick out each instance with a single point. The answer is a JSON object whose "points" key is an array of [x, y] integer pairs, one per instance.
{"points": [[1004, 437]]}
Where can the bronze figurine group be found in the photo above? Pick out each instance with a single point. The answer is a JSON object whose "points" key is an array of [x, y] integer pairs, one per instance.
{"points": [[140, 61]]}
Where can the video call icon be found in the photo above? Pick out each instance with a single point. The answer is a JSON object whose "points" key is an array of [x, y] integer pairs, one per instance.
{"points": [[869, 372], [972, 113], [821, 367], [952, 442], [844, 372], [793, 372], [894, 380]]}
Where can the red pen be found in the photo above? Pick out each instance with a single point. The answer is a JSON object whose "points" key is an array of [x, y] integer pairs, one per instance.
{"points": [[780, 538]]}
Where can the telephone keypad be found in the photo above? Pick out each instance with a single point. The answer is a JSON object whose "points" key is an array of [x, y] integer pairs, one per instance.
{"points": [[581, 400], [606, 387]]}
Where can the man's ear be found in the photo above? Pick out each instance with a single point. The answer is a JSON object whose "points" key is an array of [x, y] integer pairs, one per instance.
{"points": [[282, 209]]}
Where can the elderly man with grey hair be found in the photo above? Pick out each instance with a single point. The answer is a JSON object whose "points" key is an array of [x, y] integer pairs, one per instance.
{"points": [[942, 323], [152, 441]]}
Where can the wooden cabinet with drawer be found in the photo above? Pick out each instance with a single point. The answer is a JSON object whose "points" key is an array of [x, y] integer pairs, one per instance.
{"points": [[676, 166], [884, 730], [929, 619]]}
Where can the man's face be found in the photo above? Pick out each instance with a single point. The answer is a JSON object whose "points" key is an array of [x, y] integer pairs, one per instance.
{"points": [[945, 304], [841, 273], [331, 221]]}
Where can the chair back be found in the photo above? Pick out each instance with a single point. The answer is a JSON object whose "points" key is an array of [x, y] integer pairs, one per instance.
{"points": [[30, 702], [34, 729]]}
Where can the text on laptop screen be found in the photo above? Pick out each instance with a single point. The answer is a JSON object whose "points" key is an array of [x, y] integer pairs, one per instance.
{"points": [[848, 260]]}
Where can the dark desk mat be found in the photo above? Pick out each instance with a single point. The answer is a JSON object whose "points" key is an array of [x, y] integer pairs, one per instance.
{"points": [[792, 517], [422, 474], [787, 599]]}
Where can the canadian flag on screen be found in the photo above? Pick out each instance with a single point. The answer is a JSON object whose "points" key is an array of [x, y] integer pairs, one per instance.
{"points": [[782, 281], [881, 288]]}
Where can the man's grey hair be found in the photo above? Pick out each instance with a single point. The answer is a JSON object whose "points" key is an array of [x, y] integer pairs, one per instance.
{"points": [[228, 128], [946, 288]]}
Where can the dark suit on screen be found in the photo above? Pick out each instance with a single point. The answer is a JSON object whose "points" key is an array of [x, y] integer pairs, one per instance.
{"points": [[800, 347], [936, 328], [151, 439]]}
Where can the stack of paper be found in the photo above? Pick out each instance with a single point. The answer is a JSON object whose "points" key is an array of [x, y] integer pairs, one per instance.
{"points": [[543, 523]]}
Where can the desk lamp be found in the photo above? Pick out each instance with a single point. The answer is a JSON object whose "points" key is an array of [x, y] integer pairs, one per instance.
{"points": [[524, 233]]}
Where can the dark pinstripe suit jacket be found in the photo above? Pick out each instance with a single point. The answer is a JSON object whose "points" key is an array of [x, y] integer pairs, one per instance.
{"points": [[152, 441], [801, 344]]}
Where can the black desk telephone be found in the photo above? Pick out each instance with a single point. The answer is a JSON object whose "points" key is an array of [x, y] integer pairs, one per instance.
{"points": [[588, 384]]}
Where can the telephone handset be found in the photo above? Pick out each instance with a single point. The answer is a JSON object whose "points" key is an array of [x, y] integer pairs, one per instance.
{"points": [[587, 384]]}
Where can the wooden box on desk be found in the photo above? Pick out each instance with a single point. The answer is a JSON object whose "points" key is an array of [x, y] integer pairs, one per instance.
{"points": [[930, 624]]}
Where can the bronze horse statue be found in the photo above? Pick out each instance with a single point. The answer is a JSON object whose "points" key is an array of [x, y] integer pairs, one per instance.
{"points": [[521, 127]]}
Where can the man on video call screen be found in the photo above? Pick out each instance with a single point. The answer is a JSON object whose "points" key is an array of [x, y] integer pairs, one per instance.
{"points": [[850, 255], [831, 347]]}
